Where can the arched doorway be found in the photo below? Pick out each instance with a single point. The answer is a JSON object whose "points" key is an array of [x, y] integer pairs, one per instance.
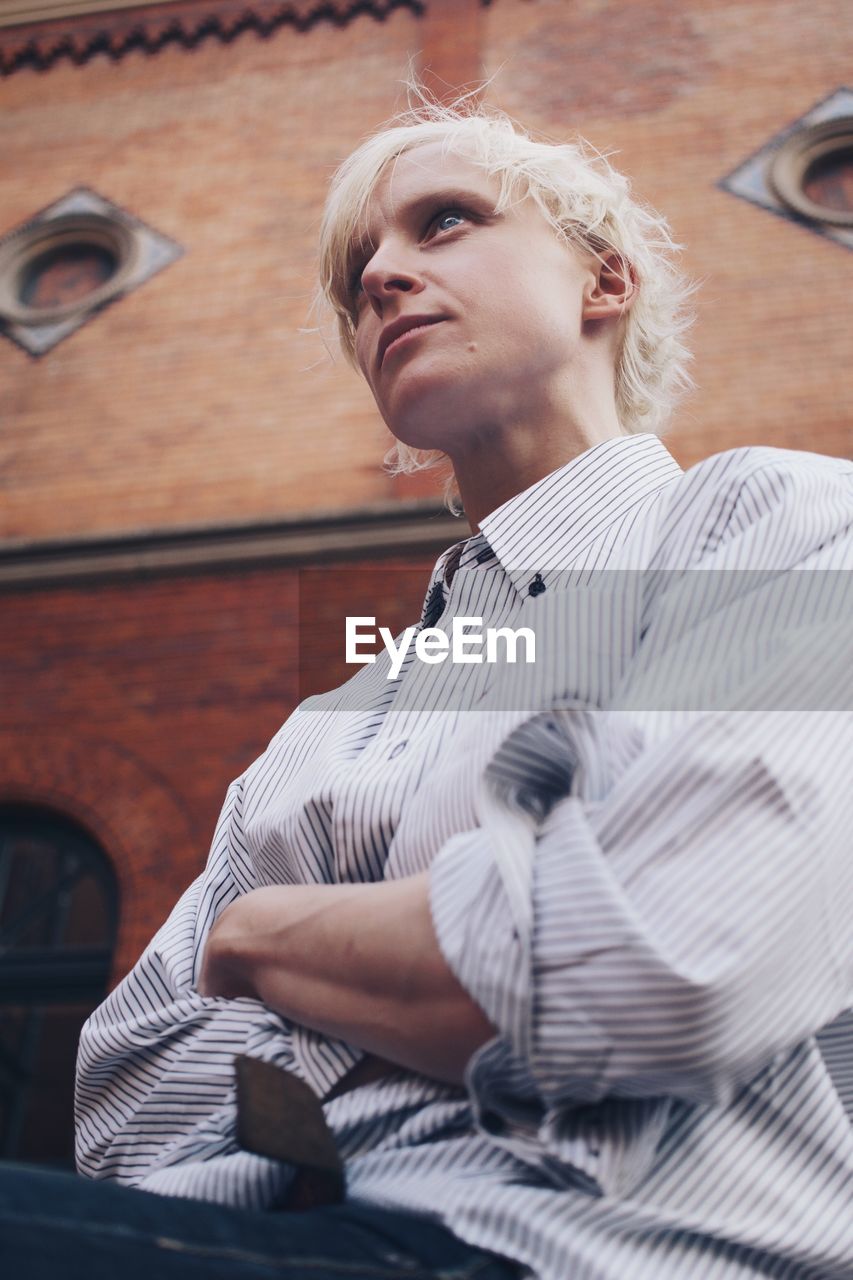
{"points": [[58, 916]]}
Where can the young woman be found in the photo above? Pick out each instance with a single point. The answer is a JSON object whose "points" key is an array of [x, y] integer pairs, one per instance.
{"points": [[524, 928]]}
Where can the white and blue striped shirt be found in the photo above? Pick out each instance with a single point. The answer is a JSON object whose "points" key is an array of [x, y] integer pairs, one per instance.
{"points": [[640, 869]]}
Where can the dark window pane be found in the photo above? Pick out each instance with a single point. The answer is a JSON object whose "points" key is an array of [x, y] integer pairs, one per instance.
{"points": [[829, 181], [57, 929], [88, 924], [68, 273]]}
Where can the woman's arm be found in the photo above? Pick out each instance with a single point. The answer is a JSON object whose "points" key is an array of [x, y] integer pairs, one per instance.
{"points": [[356, 961]]}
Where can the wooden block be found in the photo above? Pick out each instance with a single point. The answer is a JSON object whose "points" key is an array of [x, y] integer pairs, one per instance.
{"points": [[279, 1116]]}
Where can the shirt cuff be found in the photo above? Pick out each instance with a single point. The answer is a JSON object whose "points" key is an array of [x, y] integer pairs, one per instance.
{"points": [[477, 935], [475, 928], [537, 996], [478, 939]]}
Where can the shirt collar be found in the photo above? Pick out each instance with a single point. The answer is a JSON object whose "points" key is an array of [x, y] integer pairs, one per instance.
{"points": [[549, 525]]}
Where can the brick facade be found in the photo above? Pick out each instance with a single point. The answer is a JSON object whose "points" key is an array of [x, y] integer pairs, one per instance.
{"points": [[130, 706], [681, 94], [196, 398]]}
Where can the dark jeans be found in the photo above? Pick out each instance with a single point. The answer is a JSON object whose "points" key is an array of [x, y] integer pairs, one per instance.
{"points": [[57, 1226]]}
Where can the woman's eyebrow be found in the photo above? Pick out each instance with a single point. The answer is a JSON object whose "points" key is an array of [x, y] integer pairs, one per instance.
{"points": [[412, 210], [446, 196]]}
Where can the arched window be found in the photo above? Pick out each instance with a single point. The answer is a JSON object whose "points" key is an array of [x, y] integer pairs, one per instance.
{"points": [[58, 919]]}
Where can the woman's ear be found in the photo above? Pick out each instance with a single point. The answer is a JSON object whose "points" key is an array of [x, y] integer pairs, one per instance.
{"points": [[611, 291]]}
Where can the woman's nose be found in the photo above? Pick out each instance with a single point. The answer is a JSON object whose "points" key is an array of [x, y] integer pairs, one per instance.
{"points": [[389, 272]]}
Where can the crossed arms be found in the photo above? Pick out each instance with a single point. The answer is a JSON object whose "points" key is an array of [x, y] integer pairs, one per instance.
{"points": [[663, 912], [357, 961]]}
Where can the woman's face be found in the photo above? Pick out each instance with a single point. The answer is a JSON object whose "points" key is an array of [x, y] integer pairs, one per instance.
{"points": [[468, 320]]}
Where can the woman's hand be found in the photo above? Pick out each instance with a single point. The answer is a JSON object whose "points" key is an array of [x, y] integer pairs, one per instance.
{"points": [[224, 969]]}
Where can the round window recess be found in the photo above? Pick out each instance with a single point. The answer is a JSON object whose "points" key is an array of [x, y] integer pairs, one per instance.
{"points": [[813, 172], [63, 266]]}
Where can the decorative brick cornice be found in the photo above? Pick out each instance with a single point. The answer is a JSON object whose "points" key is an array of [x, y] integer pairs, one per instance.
{"points": [[148, 29]]}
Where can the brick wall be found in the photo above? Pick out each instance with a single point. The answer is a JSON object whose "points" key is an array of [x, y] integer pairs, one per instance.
{"points": [[130, 706], [197, 398], [682, 94]]}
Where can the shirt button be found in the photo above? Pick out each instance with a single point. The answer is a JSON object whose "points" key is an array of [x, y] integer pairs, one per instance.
{"points": [[537, 586], [398, 749]]}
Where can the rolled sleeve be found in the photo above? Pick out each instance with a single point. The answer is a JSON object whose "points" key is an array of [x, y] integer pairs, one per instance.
{"points": [[480, 941], [475, 927], [688, 925]]}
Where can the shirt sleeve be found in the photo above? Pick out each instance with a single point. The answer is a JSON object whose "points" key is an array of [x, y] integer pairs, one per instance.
{"points": [[155, 1090], [691, 890]]}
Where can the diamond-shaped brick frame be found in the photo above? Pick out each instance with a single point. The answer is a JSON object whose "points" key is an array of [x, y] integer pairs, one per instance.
{"points": [[751, 179], [154, 252]]}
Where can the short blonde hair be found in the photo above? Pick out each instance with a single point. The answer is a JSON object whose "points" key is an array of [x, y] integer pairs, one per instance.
{"points": [[587, 202]]}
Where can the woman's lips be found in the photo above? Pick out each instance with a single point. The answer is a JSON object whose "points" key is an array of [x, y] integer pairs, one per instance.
{"points": [[409, 334]]}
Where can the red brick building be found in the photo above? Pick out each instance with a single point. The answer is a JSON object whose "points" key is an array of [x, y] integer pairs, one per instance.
{"points": [[172, 460]]}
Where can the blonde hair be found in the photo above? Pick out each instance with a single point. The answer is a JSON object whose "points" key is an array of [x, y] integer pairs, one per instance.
{"points": [[587, 202]]}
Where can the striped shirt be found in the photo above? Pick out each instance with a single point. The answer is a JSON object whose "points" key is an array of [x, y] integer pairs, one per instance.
{"points": [[639, 868]]}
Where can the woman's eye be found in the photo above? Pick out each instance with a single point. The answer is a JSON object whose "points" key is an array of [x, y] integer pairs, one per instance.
{"points": [[449, 219]]}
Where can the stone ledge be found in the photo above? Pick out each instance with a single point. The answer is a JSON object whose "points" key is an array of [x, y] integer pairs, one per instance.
{"points": [[405, 527]]}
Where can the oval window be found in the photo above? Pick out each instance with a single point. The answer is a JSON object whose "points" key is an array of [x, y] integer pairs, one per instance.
{"points": [[51, 270], [828, 182], [812, 172], [67, 274]]}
